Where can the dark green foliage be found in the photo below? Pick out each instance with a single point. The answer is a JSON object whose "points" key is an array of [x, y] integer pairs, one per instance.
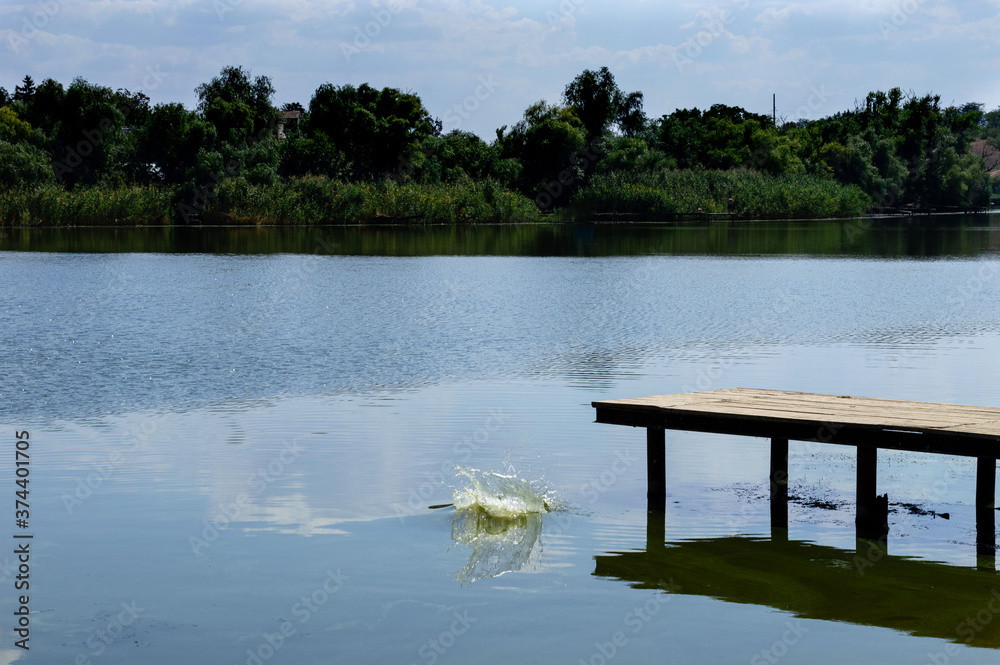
{"points": [[100, 205], [238, 107], [374, 129], [86, 126], [456, 157], [632, 155], [364, 154], [24, 91], [548, 143], [757, 195], [171, 140], [312, 155], [43, 106], [23, 165], [316, 199], [724, 137], [599, 103]]}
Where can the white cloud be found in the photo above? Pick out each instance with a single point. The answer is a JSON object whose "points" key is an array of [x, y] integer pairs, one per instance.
{"points": [[438, 48]]}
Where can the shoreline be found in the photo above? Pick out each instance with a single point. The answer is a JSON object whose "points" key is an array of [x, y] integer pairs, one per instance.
{"points": [[696, 219]]}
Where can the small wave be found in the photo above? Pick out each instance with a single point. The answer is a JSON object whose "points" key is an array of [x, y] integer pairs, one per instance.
{"points": [[502, 494]]}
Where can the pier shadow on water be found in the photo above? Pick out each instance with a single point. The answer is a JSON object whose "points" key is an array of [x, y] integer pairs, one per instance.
{"points": [[867, 586]]}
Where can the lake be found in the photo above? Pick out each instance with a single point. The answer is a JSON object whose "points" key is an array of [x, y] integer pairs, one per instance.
{"points": [[242, 442]]}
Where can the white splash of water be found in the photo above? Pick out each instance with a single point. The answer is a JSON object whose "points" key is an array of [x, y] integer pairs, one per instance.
{"points": [[502, 494]]}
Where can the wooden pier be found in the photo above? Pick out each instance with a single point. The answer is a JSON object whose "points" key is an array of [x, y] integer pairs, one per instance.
{"points": [[866, 423]]}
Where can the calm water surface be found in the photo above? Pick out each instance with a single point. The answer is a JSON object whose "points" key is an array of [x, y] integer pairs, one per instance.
{"points": [[236, 436]]}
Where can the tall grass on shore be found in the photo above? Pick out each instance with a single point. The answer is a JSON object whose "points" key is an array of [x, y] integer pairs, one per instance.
{"points": [[308, 200], [319, 200], [756, 195], [51, 205]]}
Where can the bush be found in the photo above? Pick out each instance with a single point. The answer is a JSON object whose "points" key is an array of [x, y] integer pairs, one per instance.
{"points": [[23, 165]]}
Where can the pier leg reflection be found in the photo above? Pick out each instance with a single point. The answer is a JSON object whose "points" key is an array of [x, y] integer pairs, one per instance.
{"points": [[656, 530]]}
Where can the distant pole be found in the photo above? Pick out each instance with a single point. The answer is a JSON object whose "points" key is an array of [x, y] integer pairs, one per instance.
{"points": [[774, 108]]}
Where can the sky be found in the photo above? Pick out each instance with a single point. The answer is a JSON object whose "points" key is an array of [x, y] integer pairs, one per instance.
{"points": [[478, 64]]}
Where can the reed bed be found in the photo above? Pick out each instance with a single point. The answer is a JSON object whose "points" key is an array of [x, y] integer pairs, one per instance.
{"points": [[52, 205], [319, 200], [756, 195]]}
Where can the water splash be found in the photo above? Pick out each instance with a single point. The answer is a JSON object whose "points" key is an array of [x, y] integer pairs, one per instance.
{"points": [[499, 545], [502, 495], [499, 516]]}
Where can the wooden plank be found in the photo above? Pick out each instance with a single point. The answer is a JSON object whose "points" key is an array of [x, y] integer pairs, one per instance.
{"points": [[834, 410], [901, 410], [822, 403], [947, 443], [805, 409], [820, 419]]}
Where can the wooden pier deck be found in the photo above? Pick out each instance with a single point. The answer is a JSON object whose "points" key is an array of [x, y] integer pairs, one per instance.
{"points": [[866, 423]]}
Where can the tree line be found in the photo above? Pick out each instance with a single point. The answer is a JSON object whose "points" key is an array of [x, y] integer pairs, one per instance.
{"points": [[893, 149]]}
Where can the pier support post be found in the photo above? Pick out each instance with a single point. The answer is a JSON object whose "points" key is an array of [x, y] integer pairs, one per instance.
{"points": [[656, 470], [871, 521], [779, 489], [986, 487]]}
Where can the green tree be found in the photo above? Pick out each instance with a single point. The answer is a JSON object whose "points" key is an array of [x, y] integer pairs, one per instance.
{"points": [[22, 161], [723, 137], [626, 154], [549, 142], [24, 165], [12, 128], [86, 128], [460, 156], [376, 130], [170, 142], [24, 91], [44, 106], [239, 107], [312, 155], [599, 103]]}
